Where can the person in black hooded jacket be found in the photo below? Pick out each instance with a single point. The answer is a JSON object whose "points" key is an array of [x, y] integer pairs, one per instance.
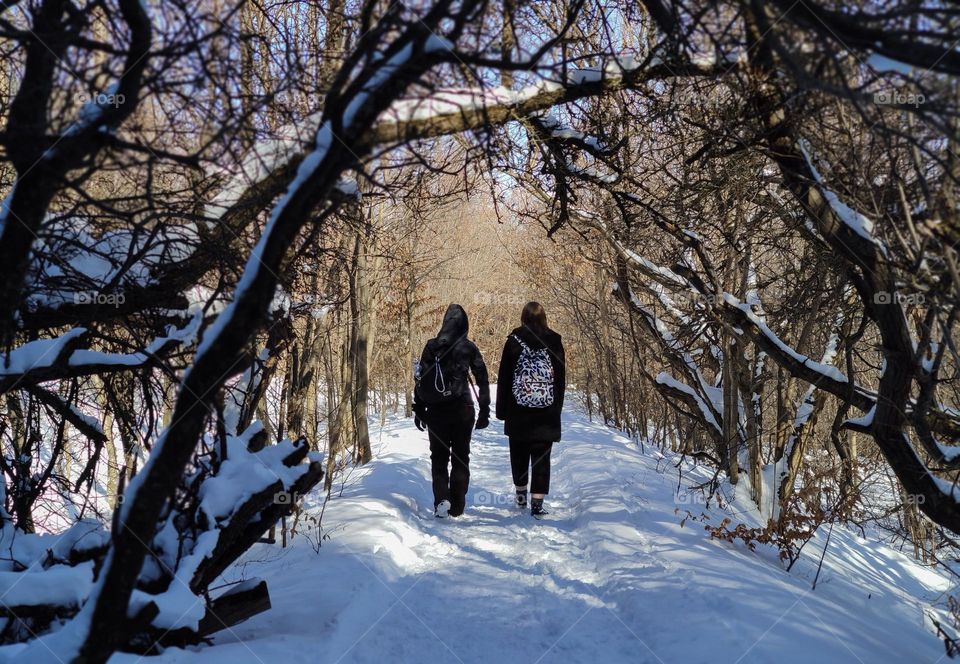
{"points": [[450, 423], [531, 430]]}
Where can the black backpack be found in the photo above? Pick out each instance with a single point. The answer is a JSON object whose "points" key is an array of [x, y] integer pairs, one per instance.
{"points": [[441, 377]]}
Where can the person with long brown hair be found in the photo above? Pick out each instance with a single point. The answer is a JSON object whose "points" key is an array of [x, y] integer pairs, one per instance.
{"points": [[530, 388]]}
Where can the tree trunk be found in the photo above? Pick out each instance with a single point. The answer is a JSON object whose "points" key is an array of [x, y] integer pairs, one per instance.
{"points": [[749, 392], [731, 413], [113, 475], [796, 446], [408, 380], [360, 329]]}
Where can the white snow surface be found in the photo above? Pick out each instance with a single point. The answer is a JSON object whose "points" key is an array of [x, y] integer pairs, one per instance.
{"points": [[83, 263], [609, 576], [37, 353], [822, 368], [664, 378], [855, 220], [60, 585]]}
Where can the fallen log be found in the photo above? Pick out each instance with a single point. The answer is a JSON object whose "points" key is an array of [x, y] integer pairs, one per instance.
{"points": [[249, 523], [237, 530], [241, 602]]}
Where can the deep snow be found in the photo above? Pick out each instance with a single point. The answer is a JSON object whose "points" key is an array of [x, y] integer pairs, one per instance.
{"points": [[610, 576]]}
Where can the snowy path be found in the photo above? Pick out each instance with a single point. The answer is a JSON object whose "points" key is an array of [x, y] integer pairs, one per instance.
{"points": [[610, 576]]}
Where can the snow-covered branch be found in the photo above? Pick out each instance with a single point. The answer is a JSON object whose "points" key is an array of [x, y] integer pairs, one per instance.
{"points": [[42, 166], [338, 144], [62, 357]]}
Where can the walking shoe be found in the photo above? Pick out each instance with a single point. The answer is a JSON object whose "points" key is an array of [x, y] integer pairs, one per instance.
{"points": [[442, 509], [536, 508], [522, 499]]}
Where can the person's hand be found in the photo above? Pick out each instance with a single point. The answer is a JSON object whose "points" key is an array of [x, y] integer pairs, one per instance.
{"points": [[419, 423], [483, 421]]}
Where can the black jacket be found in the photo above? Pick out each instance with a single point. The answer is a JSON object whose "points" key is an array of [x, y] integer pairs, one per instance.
{"points": [[531, 423], [453, 339]]}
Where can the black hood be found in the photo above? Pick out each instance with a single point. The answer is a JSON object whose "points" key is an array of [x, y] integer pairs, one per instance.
{"points": [[455, 325]]}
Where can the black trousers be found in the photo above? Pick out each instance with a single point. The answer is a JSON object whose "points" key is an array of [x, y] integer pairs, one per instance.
{"points": [[535, 454], [450, 429]]}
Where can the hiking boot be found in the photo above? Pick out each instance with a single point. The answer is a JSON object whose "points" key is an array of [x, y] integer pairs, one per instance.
{"points": [[521, 499], [536, 508], [442, 509]]}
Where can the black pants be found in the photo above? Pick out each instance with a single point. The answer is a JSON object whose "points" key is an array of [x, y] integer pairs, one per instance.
{"points": [[525, 454], [450, 429]]}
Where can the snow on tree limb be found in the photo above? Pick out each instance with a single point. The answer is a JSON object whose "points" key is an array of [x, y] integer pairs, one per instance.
{"points": [[688, 394], [264, 173], [864, 263], [62, 357], [449, 111], [85, 424], [742, 318], [347, 118], [39, 175]]}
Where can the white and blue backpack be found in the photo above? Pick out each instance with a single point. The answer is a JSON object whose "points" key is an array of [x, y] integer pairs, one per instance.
{"points": [[533, 378]]}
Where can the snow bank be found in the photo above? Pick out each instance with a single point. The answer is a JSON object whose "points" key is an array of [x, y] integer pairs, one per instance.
{"points": [[611, 575], [60, 585]]}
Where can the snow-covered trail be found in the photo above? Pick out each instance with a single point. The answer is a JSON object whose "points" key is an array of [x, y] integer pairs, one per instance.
{"points": [[610, 575]]}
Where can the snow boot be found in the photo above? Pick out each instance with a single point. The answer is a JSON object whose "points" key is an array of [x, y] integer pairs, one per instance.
{"points": [[442, 509], [521, 498], [536, 508]]}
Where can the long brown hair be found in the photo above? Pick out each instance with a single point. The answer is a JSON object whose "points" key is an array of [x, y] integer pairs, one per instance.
{"points": [[534, 317]]}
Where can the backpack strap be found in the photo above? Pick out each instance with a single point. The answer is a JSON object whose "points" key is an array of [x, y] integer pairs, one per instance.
{"points": [[517, 339], [439, 384]]}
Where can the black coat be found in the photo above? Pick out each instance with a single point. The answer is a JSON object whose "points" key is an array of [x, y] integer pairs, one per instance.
{"points": [[466, 356], [531, 423]]}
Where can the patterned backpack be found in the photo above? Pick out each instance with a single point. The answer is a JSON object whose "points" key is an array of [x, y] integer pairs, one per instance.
{"points": [[533, 378]]}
